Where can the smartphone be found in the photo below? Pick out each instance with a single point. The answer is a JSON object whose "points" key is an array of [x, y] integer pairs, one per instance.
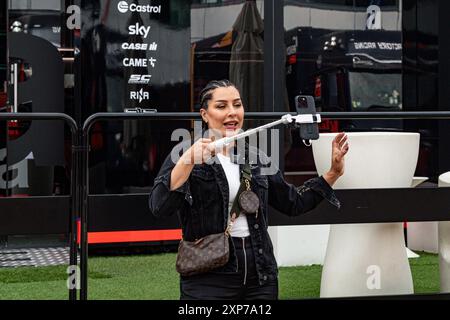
{"points": [[306, 105]]}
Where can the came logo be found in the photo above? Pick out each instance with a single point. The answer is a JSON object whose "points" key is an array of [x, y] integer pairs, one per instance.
{"points": [[122, 7], [135, 62]]}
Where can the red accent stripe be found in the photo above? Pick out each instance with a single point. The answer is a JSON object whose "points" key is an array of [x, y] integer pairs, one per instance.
{"points": [[78, 231], [132, 236]]}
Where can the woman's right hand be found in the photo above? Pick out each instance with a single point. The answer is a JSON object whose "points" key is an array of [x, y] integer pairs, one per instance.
{"points": [[200, 152]]}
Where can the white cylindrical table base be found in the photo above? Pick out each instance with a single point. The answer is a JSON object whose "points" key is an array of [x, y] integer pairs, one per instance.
{"points": [[373, 262], [369, 259], [444, 243]]}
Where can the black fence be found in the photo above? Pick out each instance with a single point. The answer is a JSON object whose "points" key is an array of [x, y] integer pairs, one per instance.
{"points": [[16, 207], [374, 206]]}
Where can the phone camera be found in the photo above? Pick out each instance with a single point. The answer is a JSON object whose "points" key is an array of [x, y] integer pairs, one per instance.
{"points": [[303, 102]]}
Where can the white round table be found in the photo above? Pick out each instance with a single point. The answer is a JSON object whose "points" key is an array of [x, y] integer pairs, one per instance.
{"points": [[369, 259]]}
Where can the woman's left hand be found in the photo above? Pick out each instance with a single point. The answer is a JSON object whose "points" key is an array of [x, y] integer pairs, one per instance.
{"points": [[340, 148]]}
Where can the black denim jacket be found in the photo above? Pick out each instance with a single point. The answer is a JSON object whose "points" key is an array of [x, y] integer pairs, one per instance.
{"points": [[202, 205]]}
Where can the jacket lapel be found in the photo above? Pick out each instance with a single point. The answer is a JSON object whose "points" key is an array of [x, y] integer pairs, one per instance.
{"points": [[222, 182]]}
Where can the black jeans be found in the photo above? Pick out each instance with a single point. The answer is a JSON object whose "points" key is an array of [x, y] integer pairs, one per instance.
{"points": [[240, 285]]}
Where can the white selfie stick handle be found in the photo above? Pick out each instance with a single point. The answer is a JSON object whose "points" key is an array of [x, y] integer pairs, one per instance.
{"points": [[286, 119]]}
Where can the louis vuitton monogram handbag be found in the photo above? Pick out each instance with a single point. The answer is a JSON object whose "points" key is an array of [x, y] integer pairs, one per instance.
{"points": [[213, 251]]}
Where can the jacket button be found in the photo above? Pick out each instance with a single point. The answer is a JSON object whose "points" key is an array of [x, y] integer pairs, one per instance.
{"points": [[256, 226], [260, 251]]}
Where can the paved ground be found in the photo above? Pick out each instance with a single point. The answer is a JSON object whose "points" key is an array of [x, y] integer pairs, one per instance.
{"points": [[34, 257]]}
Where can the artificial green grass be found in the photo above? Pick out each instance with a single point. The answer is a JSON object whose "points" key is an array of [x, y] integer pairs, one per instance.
{"points": [[304, 282], [425, 272], [299, 282], [154, 277]]}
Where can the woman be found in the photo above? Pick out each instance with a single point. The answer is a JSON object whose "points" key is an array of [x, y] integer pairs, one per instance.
{"points": [[202, 192]]}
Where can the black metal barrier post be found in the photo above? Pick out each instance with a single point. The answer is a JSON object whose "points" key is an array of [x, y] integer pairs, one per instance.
{"points": [[74, 189], [439, 115]]}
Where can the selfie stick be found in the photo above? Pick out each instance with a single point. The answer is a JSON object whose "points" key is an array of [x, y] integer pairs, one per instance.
{"points": [[286, 119]]}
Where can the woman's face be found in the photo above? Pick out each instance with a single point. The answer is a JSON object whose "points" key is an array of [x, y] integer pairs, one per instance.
{"points": [[225, 111]]}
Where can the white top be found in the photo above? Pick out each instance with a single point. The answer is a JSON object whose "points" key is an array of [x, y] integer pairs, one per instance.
{"points": [[240, 226]]}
